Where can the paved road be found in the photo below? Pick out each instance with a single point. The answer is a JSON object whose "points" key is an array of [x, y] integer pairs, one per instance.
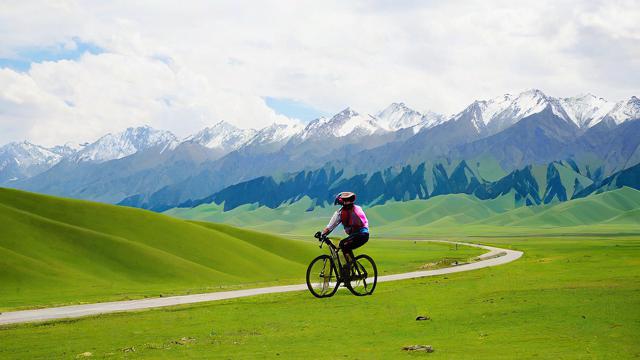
{"points": [[494, 257]]}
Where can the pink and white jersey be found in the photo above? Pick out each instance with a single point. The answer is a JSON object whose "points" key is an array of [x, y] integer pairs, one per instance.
{"points": [[353, 219]]}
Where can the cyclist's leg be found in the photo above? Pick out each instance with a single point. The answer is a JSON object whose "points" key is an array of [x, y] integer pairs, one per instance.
{"points": [[345, 246], [351, 242]]}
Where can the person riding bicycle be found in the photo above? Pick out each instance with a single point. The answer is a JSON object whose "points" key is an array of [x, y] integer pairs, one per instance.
{"points": [[353, 220]]}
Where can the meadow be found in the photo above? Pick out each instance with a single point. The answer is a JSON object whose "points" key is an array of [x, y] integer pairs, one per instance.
{"points": [[575, 293], [568, 297]]}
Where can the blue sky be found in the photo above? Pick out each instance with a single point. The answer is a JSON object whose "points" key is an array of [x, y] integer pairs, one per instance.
{"points": [[26, 56], [294, 109]]}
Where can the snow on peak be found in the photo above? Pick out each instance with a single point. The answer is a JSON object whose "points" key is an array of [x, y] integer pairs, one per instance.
{"points": [[429, 120], [223, 136], [481, 112], [586, 110], [528, 103], [583, 110], [474, 113], [625, 110], [496, 114], [26, 154], [347, 113], [68, 148], [346, 122], [275, 133], [128, 142], [525, 104], [399, 116], [489, 109]]}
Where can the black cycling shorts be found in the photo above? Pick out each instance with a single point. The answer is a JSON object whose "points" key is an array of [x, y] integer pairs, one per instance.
{"points": [[354, 241]]}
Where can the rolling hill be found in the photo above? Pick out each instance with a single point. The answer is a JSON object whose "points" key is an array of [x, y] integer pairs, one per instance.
{"points": [[444, 214], [55, 250], [609, 207]]}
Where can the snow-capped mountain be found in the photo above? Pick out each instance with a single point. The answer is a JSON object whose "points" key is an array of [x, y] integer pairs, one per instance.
{"points": [[346, 123], [68, 149], [526, 103], [275, 133], [122, 144], [431, 119], [492, 127], [494, 115], [24, 159], [399, 116], [222, 136], [586, 110], [625, 110], [474, 114]]}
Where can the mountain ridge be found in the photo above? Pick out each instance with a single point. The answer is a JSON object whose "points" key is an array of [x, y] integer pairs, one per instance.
{"points": [[155, 167]]}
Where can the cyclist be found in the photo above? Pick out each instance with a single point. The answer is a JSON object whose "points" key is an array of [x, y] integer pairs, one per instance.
{"points": [[354, 222]]}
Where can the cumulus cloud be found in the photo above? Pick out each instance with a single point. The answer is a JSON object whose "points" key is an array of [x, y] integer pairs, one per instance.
{"points": [[184, 66], [81, 100]]}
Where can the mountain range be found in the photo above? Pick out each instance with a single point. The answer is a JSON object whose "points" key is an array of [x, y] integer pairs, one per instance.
{"points": [[151, 168]]}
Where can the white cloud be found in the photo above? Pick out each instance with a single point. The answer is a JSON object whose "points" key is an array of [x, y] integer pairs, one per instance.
{"points": [[184, 66], [82, 100]]}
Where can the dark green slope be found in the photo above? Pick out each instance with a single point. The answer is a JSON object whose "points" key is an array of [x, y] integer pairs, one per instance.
{"points": [[628, 177], [531, 185]]}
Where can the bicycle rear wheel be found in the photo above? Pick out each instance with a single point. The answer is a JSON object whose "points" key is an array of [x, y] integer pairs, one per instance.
{"points": [[363, 276], [322, 277]]}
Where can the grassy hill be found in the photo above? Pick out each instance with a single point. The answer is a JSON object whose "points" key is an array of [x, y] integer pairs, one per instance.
{"points": [[596, 209], [289, 218], [612, 211], [53, 250], [58, 251], [294, 218]]}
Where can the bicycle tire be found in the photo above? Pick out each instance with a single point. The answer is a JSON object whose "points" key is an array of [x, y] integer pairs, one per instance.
{"points": [[361, 282], [330, 282]]}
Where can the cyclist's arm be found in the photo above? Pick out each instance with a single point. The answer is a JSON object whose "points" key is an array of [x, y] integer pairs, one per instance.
{"points": [[335, 221]]}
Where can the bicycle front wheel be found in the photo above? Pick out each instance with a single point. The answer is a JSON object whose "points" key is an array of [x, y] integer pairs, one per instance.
{"points": [[363, 276], [322, 277]]}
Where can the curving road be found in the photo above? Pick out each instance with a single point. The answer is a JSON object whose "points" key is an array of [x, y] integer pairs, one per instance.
{"points": [[495, 256]]}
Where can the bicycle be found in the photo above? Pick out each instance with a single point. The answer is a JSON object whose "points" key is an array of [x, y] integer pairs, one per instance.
{"points": [[323, 277]]}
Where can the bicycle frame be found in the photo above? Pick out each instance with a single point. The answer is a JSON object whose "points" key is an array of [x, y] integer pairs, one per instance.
{"points": [[334, 253]]}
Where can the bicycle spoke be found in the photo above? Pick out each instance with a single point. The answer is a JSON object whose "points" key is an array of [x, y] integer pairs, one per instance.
{"points": [[364, 277], [321, 279]]}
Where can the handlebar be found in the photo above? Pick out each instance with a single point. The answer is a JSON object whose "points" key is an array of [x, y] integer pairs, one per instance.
{"points": [[322, 238]]}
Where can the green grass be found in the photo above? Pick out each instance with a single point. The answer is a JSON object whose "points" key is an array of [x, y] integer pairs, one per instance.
{"points": [[289, 218], [571, 296], [590, 210], [57, 251], [567, 298], [609, 212]]}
